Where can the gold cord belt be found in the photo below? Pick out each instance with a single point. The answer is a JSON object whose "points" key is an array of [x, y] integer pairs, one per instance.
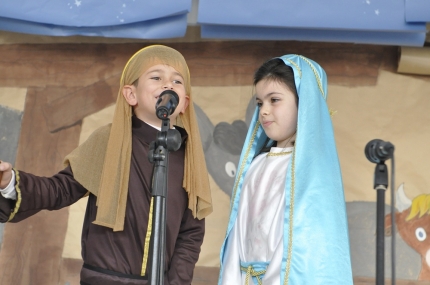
{"points": [[251, 272]]}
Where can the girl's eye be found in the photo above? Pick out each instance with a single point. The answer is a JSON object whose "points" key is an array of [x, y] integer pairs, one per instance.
{"points": [[177, 81], [259, 104], [274, 100], [156, 78]]}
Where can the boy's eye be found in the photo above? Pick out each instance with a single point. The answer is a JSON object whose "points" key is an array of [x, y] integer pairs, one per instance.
{"points": [[177, 81], [259, 104], [274, 100], [156, 78]]}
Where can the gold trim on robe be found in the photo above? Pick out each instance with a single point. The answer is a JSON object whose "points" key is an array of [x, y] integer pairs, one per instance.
{"points": [[147, 239], [18, 196]]}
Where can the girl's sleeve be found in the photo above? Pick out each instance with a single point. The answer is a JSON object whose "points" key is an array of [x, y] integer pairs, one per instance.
{"points": [[35, 193], [230, 272]]}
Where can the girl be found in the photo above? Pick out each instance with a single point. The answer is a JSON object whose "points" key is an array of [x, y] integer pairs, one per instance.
{"points": [[288, 220]]}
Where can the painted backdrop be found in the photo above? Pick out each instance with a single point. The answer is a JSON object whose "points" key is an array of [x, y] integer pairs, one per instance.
{"points": [[52, 96]]}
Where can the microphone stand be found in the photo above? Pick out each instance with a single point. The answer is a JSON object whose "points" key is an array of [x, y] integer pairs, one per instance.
{"points": [[380, 185], [167, 140], [378, 151]]}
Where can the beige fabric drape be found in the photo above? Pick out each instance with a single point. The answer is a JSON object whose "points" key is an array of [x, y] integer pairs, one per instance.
{"points": [[102, 163]]}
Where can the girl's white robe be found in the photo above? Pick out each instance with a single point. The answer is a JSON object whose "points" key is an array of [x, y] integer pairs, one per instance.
{"points": [[258, 232]]}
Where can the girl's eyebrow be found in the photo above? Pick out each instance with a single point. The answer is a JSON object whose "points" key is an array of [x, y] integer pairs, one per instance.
{"points": [[268, 95]]}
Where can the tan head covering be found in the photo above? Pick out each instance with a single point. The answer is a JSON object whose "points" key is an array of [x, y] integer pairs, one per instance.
{"points": [[109, 149]]}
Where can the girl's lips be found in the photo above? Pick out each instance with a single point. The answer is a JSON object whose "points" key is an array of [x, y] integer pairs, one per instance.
{"points": [[267, 123]]}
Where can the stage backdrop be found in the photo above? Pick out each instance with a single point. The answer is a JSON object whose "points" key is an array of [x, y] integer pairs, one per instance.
{"points": [[53, 96]]}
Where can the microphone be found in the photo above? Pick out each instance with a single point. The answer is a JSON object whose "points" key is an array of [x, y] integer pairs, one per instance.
{"points": [[378, 151], [166, 104]]}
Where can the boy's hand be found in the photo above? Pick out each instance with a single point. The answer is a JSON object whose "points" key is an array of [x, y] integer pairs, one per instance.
{"points": [[5, 174]]}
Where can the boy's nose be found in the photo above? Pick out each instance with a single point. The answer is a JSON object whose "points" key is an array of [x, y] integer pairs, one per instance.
{"points": [[168, 85]]}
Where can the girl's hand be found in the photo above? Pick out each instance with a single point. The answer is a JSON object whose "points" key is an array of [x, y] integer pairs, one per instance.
{"points": [[5, 174]]}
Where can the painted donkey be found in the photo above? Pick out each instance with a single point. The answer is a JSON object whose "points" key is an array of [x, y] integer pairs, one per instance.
{"points": [[413, 224]]}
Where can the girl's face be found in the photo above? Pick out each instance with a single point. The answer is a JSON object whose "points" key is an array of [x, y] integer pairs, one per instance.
{"points": [[278, 111], [151, 83]]}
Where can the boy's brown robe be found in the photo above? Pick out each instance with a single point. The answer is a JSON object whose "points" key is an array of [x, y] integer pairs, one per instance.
{"points": [[122, 251]]}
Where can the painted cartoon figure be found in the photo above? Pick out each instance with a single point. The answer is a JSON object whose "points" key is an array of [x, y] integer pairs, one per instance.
{"points": [[218, 146], [222, 145], [413, 225], [362, 239]]}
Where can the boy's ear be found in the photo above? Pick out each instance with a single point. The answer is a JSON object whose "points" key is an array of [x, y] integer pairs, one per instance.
{"points": [[129, 93], [187, 102]]}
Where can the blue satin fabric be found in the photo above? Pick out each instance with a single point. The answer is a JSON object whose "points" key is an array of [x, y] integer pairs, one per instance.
{"points": [[316, 242]]}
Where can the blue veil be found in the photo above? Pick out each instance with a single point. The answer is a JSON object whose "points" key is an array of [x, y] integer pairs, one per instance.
{"points": [[316, 242]]}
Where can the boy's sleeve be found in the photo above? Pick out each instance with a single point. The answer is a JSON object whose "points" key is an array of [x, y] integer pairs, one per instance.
{"points": [[187, 250], [6, 208], [36, 193]]}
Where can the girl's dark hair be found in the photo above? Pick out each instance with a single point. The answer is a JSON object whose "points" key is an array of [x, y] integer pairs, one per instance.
{"points": [[275, 69]]}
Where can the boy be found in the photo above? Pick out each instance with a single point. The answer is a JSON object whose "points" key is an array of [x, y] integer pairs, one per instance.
{"points": [[112, 167]]}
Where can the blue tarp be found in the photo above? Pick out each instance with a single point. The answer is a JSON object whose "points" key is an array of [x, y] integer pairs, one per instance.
{"points": [[358, 21], [152, 19], [417, 10], [316, 35], [391, 22]]}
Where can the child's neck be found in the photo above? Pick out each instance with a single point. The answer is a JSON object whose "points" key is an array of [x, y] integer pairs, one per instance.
{"points": [[155, 127]]}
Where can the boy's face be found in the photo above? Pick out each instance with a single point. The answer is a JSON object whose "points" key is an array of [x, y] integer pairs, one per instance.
{"points": [[152, 82]]}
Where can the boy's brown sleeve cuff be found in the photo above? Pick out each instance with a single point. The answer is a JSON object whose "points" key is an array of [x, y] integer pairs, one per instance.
{"points": [[18, 196], [6, 207]]}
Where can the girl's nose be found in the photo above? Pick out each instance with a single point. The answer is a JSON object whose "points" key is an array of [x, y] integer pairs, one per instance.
{"points": [[264, 111]]}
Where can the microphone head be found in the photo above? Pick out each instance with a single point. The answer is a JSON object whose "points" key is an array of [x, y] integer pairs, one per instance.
{"points": [[166, 104], [370, 152], [171, 93], [377, 151]]}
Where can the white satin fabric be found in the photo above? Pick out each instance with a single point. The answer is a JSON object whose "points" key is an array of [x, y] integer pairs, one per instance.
{"points": [[257, 235]]}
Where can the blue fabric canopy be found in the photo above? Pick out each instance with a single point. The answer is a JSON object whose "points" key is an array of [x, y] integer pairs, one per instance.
{"points": [[108, 18], [417, 10], [392, 22], [358, 21]]}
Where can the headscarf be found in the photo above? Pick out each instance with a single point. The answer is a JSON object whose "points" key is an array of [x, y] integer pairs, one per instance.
{"points": [[315, 234], [102, 163]]}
